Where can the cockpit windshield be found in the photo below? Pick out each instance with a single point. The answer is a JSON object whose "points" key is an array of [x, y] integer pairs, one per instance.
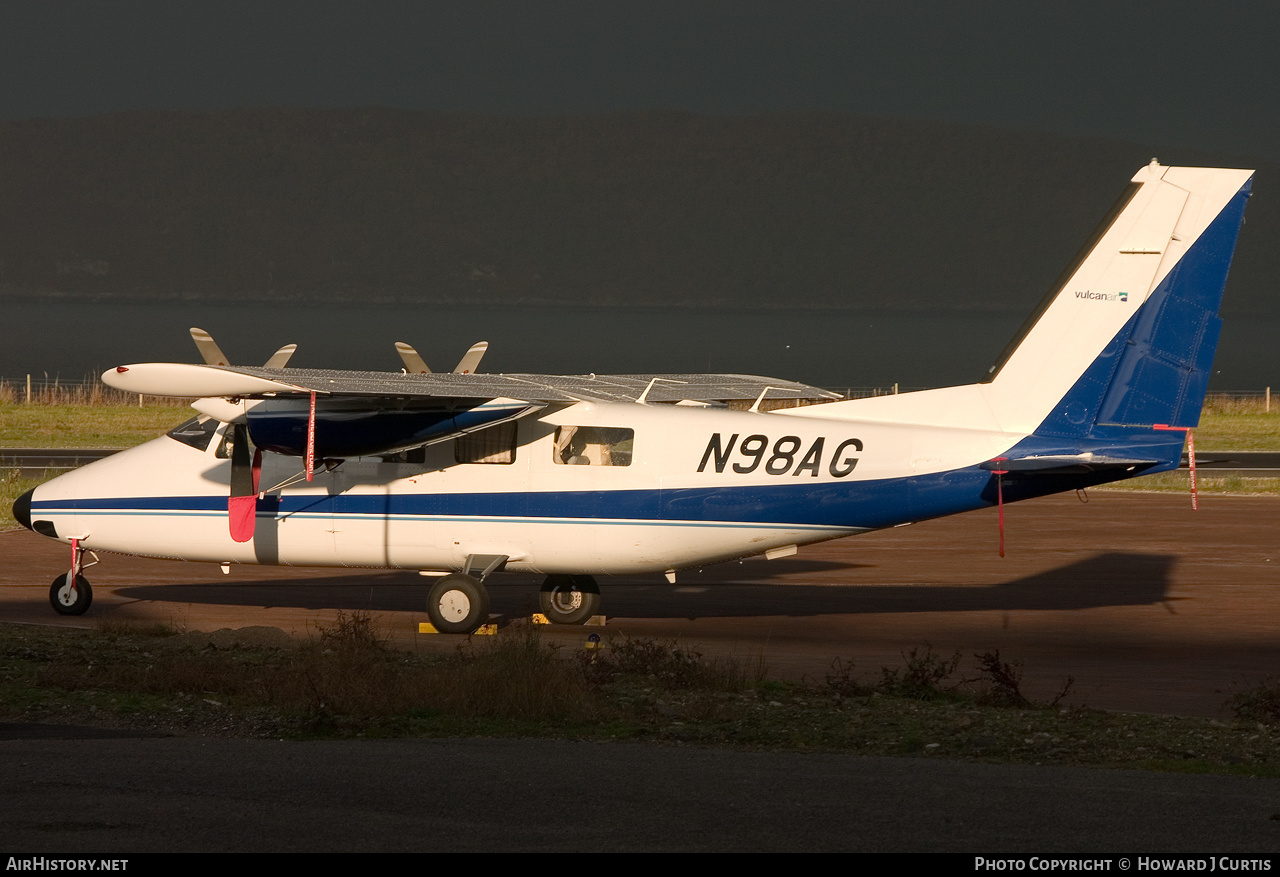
{"points": [[196, 432]]}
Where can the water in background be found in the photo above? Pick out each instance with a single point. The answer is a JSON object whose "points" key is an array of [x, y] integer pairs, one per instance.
{"points": [[835, 348]]}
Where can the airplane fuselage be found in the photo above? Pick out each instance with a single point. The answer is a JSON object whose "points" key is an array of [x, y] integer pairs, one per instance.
{"points": [[666, 487]]}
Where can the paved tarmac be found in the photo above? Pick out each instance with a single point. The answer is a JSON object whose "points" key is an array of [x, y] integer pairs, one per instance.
{"points": [[171, 794]]}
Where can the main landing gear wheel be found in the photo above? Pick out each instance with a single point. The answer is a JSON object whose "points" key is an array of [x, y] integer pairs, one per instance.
{"points": [[68, 599], [569, 599], [458, 603]]}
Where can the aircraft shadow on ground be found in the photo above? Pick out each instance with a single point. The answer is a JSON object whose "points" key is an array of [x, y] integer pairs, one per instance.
{"points": [[1112, 579]]}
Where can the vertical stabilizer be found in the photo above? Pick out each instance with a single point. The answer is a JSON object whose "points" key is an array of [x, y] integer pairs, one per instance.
{"points": [[1129, 335], [1126, 336]]}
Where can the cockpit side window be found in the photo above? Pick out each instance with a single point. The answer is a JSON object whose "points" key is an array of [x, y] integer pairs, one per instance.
{"points": [[593, 446], [196, 432]]}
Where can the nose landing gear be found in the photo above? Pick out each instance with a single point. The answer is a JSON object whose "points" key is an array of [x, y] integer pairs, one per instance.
{"points": [[70, 593]]}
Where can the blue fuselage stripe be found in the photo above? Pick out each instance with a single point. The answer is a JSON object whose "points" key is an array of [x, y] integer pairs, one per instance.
{"points": [[830, 505]]}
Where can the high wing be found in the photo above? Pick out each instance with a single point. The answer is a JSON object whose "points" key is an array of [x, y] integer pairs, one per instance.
{"points": [[196, 381]]}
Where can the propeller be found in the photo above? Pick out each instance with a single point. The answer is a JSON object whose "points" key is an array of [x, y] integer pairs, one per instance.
{"points": [[280, 358], [471, 359], [415, 365], [246, 471], [208, 348], [213, 355]]}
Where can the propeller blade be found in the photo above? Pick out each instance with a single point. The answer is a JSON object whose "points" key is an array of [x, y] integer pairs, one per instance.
{"points": [[413, 363], [471, 360], [208, 348], [280, 358], [246, 471]]}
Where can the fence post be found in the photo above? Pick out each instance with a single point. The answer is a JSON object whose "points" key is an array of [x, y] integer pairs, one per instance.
{"points": [[1268, 400], [28, 389]]}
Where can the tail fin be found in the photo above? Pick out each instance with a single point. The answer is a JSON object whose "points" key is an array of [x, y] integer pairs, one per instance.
{"points": [[1129, 336]]}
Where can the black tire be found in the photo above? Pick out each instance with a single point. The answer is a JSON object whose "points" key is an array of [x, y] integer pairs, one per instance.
{"points": [[458, 603], [68, 601], [569, 599]]}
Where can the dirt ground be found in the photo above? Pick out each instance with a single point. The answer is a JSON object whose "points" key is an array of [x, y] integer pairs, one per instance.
{"points": [[1151, 607]]}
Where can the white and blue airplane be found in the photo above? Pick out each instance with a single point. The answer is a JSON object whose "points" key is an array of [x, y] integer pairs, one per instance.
{"points": [[463, 475]]}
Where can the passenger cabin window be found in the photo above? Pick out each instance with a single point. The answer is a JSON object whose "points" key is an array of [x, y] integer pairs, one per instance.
{"points": [[196, 432], [594, 446], [497, 444]]}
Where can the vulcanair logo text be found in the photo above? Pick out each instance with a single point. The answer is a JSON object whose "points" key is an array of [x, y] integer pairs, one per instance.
{"points": [[1102, 296]]}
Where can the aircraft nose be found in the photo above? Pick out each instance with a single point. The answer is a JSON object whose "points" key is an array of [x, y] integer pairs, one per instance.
{"points": [[22, 508]]}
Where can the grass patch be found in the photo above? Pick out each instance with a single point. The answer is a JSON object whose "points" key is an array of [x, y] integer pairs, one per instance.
{"points": [[346, 682], [12, 486], [1220, 431], [86, 426]]}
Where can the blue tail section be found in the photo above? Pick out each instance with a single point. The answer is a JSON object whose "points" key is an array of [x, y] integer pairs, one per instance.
{"points": [[1156, 369]]}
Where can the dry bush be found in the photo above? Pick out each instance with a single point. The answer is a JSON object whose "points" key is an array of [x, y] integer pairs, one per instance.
{"points": [[1001, 680], [842, 683], [352, 631], [922, 677], [512, 676], [668, 665], [1258, 703]]}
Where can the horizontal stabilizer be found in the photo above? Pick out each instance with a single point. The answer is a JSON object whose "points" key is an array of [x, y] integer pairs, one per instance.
{"points": [[1059, 464]]}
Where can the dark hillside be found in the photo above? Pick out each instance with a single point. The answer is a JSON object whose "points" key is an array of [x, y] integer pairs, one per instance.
{"points": [[812, 210]]}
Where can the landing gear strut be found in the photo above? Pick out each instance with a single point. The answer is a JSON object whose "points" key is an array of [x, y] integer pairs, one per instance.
{"points": [[70, 593], [569, 599]]}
